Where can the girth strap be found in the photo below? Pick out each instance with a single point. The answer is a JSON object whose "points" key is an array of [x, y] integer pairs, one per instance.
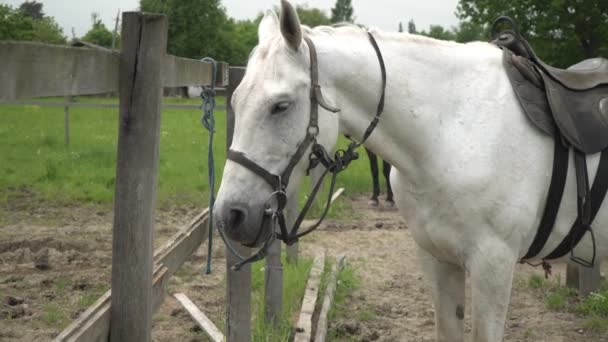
{"points": [[579, 228], [554, 199]]}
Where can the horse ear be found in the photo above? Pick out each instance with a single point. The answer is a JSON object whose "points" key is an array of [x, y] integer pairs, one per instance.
{"points": [[290, 25], [268, 26]]}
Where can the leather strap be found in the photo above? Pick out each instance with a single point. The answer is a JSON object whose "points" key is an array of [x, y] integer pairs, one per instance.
{"points": [[273, 180], [554, 199], [596, 197], [315, 91], [380, 107]]}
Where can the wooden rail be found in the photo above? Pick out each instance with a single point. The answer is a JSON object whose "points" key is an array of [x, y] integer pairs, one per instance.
{"points": [[94, 324], [96, 105], [30, 70]]}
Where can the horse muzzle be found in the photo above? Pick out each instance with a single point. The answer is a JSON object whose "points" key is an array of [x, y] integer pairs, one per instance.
{"points": [[245, 224]]}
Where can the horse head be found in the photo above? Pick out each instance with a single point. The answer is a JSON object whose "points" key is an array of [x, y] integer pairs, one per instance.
{"points": [[273, 129]]}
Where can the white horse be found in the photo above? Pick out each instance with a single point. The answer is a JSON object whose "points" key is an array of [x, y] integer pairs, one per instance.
{"points": [[470, 171]]}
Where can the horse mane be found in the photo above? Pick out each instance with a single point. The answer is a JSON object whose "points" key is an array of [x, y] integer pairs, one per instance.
{"points": [[350, 28]]}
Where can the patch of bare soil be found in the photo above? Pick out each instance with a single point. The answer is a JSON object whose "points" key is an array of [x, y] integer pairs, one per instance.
{"points": [[54, 262]]}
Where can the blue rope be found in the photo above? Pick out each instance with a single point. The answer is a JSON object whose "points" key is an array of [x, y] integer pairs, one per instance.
{"points": [[208, 121]]}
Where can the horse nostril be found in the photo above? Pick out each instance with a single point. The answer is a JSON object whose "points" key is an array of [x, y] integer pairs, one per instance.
{"points": [[235, 218]]}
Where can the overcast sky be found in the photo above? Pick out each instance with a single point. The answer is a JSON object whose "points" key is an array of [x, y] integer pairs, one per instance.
{"points": [[385, 14]]}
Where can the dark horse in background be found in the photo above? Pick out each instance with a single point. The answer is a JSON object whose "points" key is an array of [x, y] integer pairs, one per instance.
{"points": [[386, 171]]}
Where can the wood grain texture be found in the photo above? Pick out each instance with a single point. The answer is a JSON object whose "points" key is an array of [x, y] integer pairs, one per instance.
{"points": [[328, 299], [200, 318], [182, 72], [144, 39], [37, 70], [584, 279], [238, 283], [273, 283], [93, 325], [304, 326], [31, 70]]}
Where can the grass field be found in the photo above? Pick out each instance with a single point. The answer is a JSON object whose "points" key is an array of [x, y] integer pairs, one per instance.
{"points": [[34, 159]]}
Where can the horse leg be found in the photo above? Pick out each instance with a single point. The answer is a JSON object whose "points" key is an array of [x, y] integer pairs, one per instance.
{"points": [[447, 283], [386, 170], [491, 269], [373, 163]]}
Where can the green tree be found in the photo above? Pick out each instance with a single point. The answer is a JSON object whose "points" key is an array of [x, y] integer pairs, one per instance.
{"points": [[312, 16], [32, 9], [438, 32], [342, 12], [46, 30], [469, 32], [411, 27], [198, 28], [561, 32], [15, 25], [99, 33]]}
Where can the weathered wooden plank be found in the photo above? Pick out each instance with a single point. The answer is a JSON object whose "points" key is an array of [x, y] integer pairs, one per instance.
{"points": [[584, 279], [304, 326], [336, 195], [144, 38], [96, 105], [273, 283], [182, 72], [37, 70], [330, 290], [238, 283], [200, 318], [93, 325]]}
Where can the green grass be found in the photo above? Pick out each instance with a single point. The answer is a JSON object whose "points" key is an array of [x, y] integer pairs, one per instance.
{"points": [[555, 296], [295, 276], [34, 161], [348, 281], [594, 307], [54, 315]]}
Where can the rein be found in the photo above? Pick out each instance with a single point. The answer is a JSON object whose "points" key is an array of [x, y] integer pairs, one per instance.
{"points": [[277, 201]]}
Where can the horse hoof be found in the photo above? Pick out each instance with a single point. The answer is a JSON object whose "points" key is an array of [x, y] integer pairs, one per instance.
{"points": [[373, 203], [389, 205]]}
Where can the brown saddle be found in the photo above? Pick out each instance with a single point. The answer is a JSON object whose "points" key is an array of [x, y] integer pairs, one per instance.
{"points": [[575, 99], [572, 106]]}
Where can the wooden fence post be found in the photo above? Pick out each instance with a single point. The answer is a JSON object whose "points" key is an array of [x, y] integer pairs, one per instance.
{"points": [[66, 119], [238, 283], [584, 279], [273, 283], [144, 38]]}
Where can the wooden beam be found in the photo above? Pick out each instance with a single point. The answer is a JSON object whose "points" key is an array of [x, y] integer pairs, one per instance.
{"points": [[94, 324], [336, 195], [238, 283], [182, 72], [200, 318], [304, 326], [328, 299], [584, 279], [31, 70], [273, 283], [144, 40], [98, 105], [37, 70]]}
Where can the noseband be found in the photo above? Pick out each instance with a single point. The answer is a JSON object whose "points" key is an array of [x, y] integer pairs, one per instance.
{"points": [[277, 201]]}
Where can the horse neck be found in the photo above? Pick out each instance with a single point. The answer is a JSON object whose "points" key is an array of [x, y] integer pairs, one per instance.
{"points": [[422, 76]]}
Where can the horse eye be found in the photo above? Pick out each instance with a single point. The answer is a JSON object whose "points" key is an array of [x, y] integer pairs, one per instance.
{"points": [[280, 107]]}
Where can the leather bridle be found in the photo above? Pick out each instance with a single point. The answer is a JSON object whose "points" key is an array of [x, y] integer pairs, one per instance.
{"points": [[277, 201]]}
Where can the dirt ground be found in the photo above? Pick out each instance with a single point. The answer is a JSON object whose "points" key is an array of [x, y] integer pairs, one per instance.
{"points": [[54, 262]]}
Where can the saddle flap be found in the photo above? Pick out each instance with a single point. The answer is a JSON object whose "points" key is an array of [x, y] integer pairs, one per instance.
{"points": [[527, 85], [585, 75], [581, 116]]}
